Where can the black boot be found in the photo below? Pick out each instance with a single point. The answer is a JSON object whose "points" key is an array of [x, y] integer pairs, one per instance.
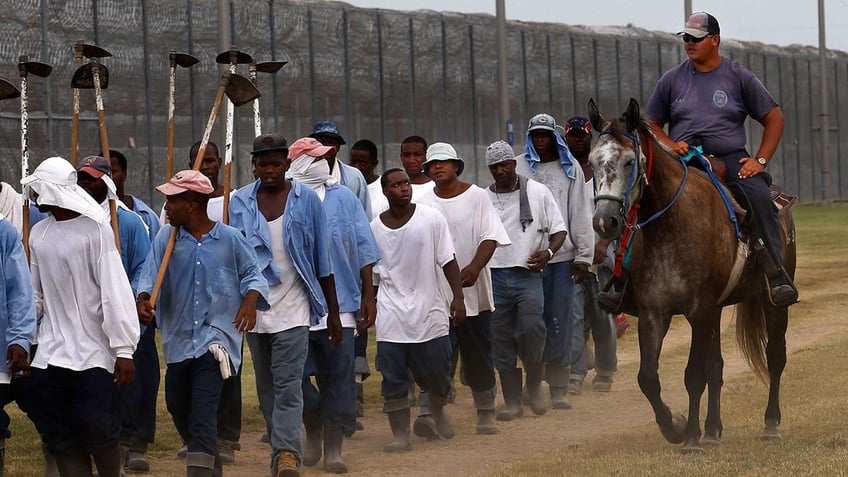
{"points": [[782, 291], [399, 421], [538, 402], [312, 446], [444, 424], [511, 388], [73, 463], [109, 461], [199, 464], [333, 437]]}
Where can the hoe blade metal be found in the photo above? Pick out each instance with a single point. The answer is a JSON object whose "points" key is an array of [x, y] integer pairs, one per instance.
{"points": [[241, 90], [8, 90], [241, 57], [84, 78], [270, 66], [184, 60]]}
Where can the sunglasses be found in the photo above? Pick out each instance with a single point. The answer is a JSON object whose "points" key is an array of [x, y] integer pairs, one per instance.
{"points": [[687, 38]]}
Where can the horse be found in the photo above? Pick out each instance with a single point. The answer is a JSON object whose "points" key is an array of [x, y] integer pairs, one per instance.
{"points": [[684, 257]]}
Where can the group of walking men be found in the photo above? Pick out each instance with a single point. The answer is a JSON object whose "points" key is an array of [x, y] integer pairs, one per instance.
{"points": [[315, 252]]}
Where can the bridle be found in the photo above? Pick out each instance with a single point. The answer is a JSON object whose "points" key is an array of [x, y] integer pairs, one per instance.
{"points": [[637, 176]]}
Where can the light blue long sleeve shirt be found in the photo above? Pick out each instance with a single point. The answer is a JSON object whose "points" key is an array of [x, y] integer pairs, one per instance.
{"points": [[135, 244], [355, 181], [18, 322], [352, 245], [202, 291], [150, 218], [305, 234]]}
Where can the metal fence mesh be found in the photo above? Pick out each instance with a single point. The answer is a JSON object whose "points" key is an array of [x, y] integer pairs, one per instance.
{"points": [[381, 75]]}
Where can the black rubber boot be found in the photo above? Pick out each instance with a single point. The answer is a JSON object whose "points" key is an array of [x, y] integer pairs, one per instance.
{"points": [[199, 464], [333, 438], [399, 421], [312, 446], [511, 388], [444, 424], [538, 402]]}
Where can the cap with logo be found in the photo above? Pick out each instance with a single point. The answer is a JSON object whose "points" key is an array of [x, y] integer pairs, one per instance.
{"points": [[327, 129], [95, 166], [578, 124]]}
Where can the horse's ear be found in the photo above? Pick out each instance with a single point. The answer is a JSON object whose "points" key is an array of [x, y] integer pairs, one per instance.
{"points": [[632, 116], [595, 116]]}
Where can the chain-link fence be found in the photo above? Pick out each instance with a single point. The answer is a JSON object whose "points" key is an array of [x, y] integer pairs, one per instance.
{"points": [[381, 75]]}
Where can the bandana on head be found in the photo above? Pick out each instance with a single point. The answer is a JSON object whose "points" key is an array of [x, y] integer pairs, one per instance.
{"points": [[314, 174]]}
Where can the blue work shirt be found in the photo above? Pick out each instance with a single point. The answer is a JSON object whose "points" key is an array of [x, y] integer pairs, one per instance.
{"points": [[18, 322], [355, 181], [305, 234], [352, 245], [150, 218], [135, 244], [202, 291]]}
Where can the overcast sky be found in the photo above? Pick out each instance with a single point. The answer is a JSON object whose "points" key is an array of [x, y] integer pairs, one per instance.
{"points": [[780, 22]]}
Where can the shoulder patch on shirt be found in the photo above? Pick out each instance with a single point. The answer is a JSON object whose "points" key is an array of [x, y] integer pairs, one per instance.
{"points": [[720, 98]]}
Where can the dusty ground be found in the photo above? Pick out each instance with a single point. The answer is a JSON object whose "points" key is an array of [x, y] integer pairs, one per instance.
{"points": [[594, 415]]}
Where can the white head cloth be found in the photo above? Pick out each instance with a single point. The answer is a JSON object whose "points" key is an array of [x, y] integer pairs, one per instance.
{"points": [[314, 174], [55, 183]]}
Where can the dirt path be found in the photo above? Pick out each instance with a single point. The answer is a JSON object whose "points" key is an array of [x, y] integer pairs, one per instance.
{"points": [[594, 415]]}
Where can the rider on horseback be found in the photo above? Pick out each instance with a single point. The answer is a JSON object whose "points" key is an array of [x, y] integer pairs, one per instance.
{"points": [[709, 97]]}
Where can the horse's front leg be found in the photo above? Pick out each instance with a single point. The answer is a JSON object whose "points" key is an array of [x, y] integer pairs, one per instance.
{"points": [[776, 322], [715, 380], [696, 381], [652, 330]]}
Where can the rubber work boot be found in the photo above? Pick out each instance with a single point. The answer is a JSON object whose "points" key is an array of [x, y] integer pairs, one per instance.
{"points": [[312, 446], [2, 457], [109, 461], [51, 469], [424, 425], [444, 423], [782, 291], [538, 403], [73, 464], [226, 452], [286, 465], [333, 437], [610, 301], [558, 397], [360, 400], [602, 384], [486, 422], [136, 462], [200, 464], [511, 388], [399, 421]]}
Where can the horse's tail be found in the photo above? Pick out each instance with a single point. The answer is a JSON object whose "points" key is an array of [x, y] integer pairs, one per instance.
{"points": [[752, 335]]}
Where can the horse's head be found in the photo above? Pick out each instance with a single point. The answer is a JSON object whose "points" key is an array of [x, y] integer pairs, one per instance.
{"points": [[618, 167]]}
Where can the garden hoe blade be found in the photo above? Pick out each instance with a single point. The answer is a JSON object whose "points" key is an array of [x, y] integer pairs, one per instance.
{"points": [[270, 66], [8, 90], [41, 70], [84, 78], [241, 90], [184, 60], [227, 57]]}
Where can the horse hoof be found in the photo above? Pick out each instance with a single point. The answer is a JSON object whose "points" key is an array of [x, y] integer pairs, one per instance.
{"points": [[677, 431], [691, 450], [771, 434], [710, 441]]}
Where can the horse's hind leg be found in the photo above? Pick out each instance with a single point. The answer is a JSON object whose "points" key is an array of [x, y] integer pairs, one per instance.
{"points": [[776, 323], [652, 330], [715, 370]]}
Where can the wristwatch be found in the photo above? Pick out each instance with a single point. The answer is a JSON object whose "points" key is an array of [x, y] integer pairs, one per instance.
{"points": [[762, 161]]}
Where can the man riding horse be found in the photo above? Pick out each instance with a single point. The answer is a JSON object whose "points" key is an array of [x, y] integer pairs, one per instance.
{"points": [[705, 101]]}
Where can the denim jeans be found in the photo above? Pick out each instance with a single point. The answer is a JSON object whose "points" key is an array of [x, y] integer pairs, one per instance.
{"points": [[559, 294], [517, 326], [72, 410], [335, 397], [278, 360], [586, 309], [229, 410], [192, 394], [429, 362]]}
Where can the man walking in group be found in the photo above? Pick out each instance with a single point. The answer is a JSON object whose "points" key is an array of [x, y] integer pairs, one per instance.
{"points": [[329, 410], [89, 328], [328, 134], [476, 231], [588, 315], [711, 97], [285, 223], [532, 219], [414, 309], [210, 294], [547, 159]]}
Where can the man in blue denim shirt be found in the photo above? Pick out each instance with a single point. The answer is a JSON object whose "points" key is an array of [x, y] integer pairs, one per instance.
{"points": [[330, 409], [210, 294], [284, 223], [17, 328]]}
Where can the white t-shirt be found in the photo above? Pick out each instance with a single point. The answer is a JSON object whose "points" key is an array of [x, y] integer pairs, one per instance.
{"points": [[82, 294], [289, 300], [412, 298], [379, 203], [378, 207], [547, 220], [471, 220]]}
